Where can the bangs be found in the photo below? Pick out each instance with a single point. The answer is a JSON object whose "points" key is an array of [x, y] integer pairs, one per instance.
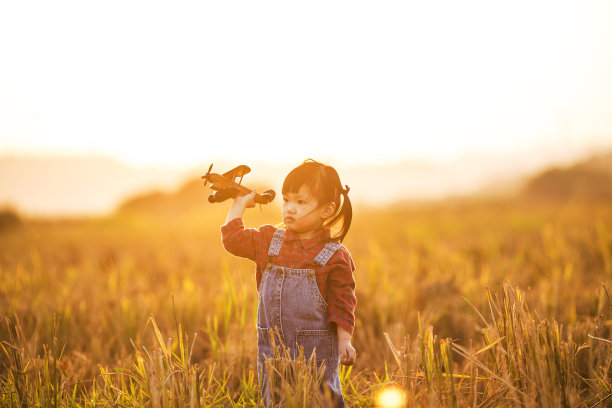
{"points": [[303, 175]]}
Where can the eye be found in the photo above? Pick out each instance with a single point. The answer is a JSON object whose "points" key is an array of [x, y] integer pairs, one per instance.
{"points": [[285, 199], [301, 202]]}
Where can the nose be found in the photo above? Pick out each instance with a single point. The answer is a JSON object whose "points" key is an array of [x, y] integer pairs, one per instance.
{"points": [[290, 208]]}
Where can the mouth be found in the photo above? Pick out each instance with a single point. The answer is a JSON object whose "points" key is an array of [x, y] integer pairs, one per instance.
{"points": [[289, 220]]}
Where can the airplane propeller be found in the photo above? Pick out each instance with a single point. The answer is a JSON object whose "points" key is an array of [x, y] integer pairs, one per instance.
{"points": [[205, 177]]}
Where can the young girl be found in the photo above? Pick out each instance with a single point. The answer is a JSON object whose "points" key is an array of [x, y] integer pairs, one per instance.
{"points": [[304, 274]]}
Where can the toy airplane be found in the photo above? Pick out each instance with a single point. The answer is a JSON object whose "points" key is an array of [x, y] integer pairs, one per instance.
{"points": [[225, 186]]}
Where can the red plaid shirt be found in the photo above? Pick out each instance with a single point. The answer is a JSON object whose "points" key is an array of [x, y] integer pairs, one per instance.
{"points": [[335, 279]]}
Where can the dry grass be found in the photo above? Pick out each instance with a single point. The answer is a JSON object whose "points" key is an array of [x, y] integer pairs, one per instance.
{"points": [[480, 304]]}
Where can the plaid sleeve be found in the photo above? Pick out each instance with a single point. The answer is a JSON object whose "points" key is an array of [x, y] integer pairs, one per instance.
{"points": [[245, 242], [341, 298]]}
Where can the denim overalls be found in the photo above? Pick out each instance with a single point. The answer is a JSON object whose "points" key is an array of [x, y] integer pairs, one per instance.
{"points": [[290, 301]]}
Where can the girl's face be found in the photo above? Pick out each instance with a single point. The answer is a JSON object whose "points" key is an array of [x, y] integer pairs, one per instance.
{"points": [[303, 214]]}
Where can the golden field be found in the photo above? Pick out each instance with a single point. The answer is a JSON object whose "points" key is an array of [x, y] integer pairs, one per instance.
{"points": [[460, 303]]}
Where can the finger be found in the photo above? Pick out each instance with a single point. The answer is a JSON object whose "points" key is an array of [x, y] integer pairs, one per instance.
{"points": [[251, 198], [352, 356], [347, 360]]}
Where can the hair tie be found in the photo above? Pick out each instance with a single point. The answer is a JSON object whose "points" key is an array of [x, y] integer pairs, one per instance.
{"points": [[343, 192]]}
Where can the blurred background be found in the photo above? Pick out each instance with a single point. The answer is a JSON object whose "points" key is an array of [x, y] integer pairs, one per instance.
{"points": [[102, 101], [476, 138]]}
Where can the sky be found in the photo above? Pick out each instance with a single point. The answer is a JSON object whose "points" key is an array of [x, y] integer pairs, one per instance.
{"points": [[180, 83]]}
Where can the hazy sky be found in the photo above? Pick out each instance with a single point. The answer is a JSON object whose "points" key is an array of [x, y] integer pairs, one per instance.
{"points": [[179, 83]]}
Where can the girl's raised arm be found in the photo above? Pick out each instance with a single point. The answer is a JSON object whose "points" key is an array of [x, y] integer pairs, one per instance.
{"points": [[240, 204], [240, 241]]}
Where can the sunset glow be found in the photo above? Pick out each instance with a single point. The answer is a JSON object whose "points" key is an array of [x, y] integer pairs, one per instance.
{"points": [[170, 84]]}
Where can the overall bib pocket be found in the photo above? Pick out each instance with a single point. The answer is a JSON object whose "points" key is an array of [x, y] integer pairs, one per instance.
{"points": [[320, 341], [315, 293]]}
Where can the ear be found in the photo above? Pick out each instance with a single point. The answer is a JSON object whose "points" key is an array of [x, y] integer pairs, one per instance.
{"points": [[328, 210]]}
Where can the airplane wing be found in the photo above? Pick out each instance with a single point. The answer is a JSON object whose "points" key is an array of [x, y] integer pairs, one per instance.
{"points": [[237, 172]]}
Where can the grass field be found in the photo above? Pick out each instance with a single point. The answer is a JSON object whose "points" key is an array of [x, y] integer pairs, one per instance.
{"points": [[467, 304]]}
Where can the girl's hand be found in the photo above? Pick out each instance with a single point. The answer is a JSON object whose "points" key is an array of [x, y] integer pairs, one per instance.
{"points": [[246, 201], [240, 204], [347, 352]]}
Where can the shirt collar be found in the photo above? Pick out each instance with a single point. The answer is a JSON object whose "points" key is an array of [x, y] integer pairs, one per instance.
{"points": [[308, 243]]}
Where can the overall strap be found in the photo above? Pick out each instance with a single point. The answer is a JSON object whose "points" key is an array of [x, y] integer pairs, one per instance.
{"points": [[277, 242], [326, 253]]}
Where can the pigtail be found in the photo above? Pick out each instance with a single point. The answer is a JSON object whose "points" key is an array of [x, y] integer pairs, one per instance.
{"points": [[346, 213], [341, 220]]}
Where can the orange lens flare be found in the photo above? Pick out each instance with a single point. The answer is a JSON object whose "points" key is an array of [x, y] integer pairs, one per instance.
{"points": [[391, 397]]}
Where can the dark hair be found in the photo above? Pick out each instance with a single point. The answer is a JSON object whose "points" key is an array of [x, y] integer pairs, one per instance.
{"points": [[324, 184]]}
